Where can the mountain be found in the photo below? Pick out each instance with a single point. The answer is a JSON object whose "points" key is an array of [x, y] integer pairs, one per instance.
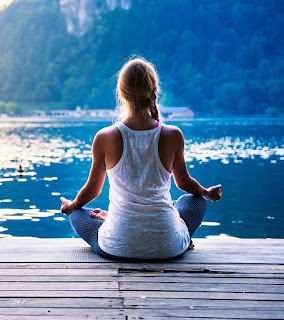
{"points": [[216, 56]]}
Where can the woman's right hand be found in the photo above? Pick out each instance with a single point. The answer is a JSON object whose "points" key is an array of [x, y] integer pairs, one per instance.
{"points": [[213, 193], [67, 206]]}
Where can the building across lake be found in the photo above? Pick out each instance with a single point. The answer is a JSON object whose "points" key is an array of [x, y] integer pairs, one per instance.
{"points": [[78, 112], [176, 111], [67, 113]]}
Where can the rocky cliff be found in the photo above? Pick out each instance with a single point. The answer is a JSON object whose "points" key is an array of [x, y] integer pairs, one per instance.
{"points": [[79, 14]]}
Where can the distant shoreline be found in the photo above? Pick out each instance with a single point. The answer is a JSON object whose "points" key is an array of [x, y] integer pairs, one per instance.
{"points": [[113, 119]]}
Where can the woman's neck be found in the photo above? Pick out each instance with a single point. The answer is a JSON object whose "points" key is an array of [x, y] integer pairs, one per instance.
{"points": [[138, 121]]}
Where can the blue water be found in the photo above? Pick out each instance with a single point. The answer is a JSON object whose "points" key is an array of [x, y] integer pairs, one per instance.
{"points": [[245, 156]]}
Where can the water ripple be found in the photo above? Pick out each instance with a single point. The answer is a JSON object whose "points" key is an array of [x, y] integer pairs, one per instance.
{"points": [[40, 150], [233, 148]]}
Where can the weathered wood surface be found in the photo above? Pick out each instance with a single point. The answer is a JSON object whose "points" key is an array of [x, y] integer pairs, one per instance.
{"points": [[230, 250], [252, 287]]}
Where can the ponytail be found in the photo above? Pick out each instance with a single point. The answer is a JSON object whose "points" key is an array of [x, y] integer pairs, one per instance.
{"points": [[154, 111], [138, 84], [153, 107]]}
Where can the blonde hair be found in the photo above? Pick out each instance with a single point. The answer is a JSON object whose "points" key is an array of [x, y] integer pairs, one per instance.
{"points": [[138, 84]]}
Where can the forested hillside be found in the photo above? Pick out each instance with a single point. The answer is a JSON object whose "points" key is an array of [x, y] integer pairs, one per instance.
{"points": [[217, 56]]}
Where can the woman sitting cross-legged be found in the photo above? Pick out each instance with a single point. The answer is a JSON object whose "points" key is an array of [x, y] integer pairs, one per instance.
{"points": [[139, 154]]}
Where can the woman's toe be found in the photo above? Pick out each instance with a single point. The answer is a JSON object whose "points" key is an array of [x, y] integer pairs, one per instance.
{"points": [[191, 245]]}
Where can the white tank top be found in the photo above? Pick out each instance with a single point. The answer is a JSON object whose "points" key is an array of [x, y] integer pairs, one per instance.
{"points": [[142, 221]]}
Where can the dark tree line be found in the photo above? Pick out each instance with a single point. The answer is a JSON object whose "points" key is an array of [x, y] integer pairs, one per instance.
{"points": [[216, 56]]}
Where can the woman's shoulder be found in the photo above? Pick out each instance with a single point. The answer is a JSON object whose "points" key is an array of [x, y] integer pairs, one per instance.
{"points": [[171, 138], [171, 131], [108, 133]]}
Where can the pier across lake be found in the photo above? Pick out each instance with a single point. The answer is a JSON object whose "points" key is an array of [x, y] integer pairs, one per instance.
{"points": [[65, 279]]}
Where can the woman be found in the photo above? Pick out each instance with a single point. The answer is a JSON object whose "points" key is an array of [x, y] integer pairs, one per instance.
{"points": [[139, 155]]}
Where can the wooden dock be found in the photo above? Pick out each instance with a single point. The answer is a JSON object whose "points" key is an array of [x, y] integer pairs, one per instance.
{"points": [[219, 279]]}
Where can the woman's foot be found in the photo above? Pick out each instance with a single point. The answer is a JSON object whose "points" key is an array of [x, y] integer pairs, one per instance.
{"points": [[191, 245], [98, 214]]}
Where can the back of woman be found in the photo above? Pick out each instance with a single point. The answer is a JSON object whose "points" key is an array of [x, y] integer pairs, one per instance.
{"points": [[139, 154], [142, 221]]}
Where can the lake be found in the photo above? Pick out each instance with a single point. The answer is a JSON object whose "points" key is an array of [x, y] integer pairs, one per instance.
{"points": [[244, 155]]}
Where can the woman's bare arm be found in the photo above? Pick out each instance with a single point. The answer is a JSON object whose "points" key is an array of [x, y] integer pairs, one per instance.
{"points": [[182, 178], [94, 184]]}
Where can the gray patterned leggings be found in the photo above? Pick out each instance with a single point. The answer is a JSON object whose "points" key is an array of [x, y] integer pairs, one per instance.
{"points": [[191, 209]]}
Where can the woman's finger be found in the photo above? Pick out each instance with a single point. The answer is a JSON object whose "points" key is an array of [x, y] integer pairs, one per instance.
{"points": [[96, 210], [92, 213], [96, 216]]}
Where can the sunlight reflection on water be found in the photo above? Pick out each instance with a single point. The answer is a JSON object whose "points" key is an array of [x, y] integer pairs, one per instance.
{"points": [[31, 214], [233, 148], [30, 149]]}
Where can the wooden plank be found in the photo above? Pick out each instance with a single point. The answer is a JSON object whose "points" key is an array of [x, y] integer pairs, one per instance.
{"points": [[205, 268], [62, 317], [201, 287], [171, 318], [61, 293], [190, 258], [133, 273], [209, 244], [57, 272], [158, 303], [22, 317], [93, 303], [206, 312], [152, 279], [179, 318], [157, 267], [141, 294], [71, 242], [53, 313], [231, 280], [58, 265], [77, 278], [203, 295], [59, 285], [208, 250], [162, 273]]}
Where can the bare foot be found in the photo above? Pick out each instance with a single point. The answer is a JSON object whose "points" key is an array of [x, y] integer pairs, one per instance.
{"points": [[191, 245], [98, 214]]}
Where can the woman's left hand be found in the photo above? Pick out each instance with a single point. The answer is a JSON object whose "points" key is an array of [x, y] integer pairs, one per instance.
{"points": [[67, 206], [99, 214]]}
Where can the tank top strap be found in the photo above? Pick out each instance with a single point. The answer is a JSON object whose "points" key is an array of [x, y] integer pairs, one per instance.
{"points": [[122, 128], [120, 125]]}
